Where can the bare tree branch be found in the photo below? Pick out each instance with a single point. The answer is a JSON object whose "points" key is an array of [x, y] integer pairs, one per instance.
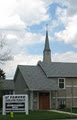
{"points": [[2, 40], [4, 51]]}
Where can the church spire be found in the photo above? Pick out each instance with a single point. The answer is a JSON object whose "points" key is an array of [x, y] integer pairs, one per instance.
{"points": [[47, 51], [47, 48]]}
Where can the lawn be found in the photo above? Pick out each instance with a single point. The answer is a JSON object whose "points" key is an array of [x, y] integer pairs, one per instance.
{"points": [[74, 110], [37, 115]]}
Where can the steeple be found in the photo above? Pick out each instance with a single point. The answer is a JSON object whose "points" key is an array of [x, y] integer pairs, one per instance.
{"points": [[47, 51], [47, 48]]}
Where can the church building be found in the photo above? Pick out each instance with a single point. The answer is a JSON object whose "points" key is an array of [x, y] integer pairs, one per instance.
{"points": [[49, 85]]}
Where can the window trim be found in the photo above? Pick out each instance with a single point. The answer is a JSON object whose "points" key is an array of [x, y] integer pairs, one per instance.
{"points": [[64, 82]]}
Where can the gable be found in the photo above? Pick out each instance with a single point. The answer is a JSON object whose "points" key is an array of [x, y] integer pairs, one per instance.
{"points": [[36, 79], [20, 84]]}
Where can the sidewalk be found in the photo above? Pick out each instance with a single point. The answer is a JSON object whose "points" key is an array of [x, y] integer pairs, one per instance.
{"points": [[63, 112]]}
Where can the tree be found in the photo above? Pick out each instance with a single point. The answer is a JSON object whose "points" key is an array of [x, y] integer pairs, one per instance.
{"points": [[2, 74], [4, 51]]}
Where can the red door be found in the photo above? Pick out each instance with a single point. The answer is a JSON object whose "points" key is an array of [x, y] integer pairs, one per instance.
{"points": [[44, 101]]}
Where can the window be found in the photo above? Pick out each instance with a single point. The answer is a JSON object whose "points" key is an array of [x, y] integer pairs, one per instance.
{"points": [[61, 83]]}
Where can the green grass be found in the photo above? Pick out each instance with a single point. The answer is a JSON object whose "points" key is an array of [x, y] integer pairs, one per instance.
{"points": [[37, 115], [74, 110]]}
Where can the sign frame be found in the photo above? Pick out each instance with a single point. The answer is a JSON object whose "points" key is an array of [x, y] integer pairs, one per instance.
{"points": [[15, 101]]}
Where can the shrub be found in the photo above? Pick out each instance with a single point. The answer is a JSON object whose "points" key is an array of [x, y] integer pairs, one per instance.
{"points": [[62, 106]]}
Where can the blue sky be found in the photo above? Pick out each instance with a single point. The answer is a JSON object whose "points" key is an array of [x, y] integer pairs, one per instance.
{"points": [[24, 25]]}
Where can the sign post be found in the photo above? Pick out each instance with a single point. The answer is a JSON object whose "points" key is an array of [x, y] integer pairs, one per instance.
{"points": [[3, 110], [15, 103]]}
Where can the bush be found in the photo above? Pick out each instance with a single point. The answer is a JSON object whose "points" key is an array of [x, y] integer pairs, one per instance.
{"points": [[62, 106]]}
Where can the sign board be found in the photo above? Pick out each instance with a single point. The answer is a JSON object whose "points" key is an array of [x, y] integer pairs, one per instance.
{"points": [[16, 103]]}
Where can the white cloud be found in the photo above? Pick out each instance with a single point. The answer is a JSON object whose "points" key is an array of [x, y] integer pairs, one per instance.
{"points": [[48, 2], [20, 59], [31, 38], [11, 36], [17, 14], [24, 38], [34, 13], [72, 7], [69, 34], [69, 56]]}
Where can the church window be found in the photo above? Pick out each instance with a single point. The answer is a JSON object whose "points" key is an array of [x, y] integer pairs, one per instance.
{"points": [[61, 83]]}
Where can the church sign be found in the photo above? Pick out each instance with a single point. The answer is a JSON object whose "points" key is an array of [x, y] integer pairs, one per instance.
{"points": [[16, 103]]}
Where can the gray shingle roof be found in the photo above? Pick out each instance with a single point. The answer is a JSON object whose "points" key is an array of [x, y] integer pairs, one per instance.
{"points": [[6, 85], [36, 78], [56, 69]]}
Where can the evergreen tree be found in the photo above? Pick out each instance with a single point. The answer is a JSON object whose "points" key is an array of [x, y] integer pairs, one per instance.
{"points": [[2, 74]]}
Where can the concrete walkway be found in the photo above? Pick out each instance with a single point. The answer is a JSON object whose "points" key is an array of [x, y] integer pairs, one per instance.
{"points": [[63, 112]]}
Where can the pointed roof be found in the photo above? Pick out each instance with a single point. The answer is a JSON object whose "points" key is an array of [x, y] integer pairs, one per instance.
{"points": [[35, 78], [47, 47]]}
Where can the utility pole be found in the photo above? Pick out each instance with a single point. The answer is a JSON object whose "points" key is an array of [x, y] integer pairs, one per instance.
{"points": [[71, 96]]}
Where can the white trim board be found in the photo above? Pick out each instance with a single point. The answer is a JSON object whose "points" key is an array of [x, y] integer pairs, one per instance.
{"points": [[71, 85]]}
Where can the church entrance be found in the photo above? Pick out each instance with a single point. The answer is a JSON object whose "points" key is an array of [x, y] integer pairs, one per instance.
{"points": [[44, 102]]}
